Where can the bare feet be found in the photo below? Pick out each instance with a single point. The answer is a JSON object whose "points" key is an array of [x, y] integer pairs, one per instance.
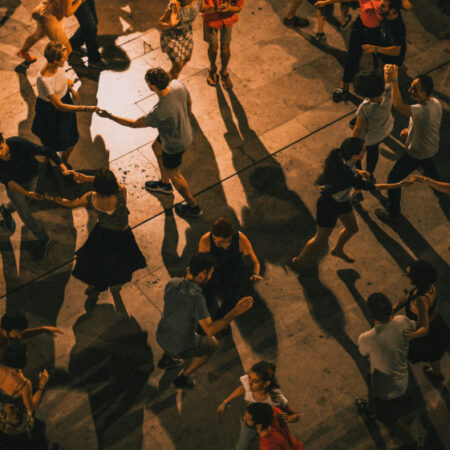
{"points": [[341, 254]]}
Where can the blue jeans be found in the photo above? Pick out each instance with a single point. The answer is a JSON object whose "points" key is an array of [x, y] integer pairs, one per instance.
{"points": [[246, 437], [23, 208]]}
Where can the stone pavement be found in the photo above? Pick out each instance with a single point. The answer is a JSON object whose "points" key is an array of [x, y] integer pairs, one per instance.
{"points": [[256, 154]]}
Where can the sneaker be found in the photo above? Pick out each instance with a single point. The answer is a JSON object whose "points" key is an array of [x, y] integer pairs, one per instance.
{"points": [[169, 362], [318, 38], [340, 95], [183, 382], [100, 64], [188, 211], [27, 57], [296, 22], [387, 218], [158, 186], [8, 222], [41, 249]]}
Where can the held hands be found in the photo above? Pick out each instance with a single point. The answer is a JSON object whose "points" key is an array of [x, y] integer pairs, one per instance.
{"points": [[256, 277], [103, 113], [243, 305], [419, 178], [391, 71]]}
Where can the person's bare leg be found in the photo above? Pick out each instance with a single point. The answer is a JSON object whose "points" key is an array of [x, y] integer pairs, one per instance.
{"points": [[312, 246], [350, 228], [55, 31], [176, 69], [157, 150], [293, 9], [212, 56], [182, 186], [320, 21], [38, 34], [225, 55]]}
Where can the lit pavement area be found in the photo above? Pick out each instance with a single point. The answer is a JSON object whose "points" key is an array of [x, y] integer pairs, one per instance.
{"points": [[256, 154]]}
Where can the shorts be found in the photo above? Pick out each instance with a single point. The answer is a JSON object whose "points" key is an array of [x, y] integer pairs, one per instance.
{"points": [[211, 35], [170, 160], [328, 211], [389, 411], [202, 345]]}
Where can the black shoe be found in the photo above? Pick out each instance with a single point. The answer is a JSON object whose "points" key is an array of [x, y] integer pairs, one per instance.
{"points": [[387, 218], [183, 382], [352, 123], [188, 211], [158, 186], [296, 22], [41, 249], [100, 64], [340, 95], [318, 38], [80, 51], [169, 362], [357, 197], [342, 27], [363, 409], [8, 222]]}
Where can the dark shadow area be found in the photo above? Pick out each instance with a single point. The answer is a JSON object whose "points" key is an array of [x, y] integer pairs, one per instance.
{"points": [[10, 6]]}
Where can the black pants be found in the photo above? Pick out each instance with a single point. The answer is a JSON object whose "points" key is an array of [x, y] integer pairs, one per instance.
{"points": [[359, 36], [402, 168], [87, 32], [371, 158]]}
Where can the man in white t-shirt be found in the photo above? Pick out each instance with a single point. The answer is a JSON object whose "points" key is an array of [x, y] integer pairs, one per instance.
{"points": [[386, 346], [421, 136]]}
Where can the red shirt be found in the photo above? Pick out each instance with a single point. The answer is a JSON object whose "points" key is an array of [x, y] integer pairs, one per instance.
{"points": [[279, 437], [369, 11], [221, 19]]}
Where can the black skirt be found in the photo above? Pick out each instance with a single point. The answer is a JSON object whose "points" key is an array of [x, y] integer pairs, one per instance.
{"points": [[108, 258], [56, 129]]}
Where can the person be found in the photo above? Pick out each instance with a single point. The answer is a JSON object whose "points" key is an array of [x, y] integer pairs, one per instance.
{"points": [[227, 248], [17, 400], [110, 254], [379, 29], [259, 385], [48, 16], [386, 346], [185, 309], [436, 185], [55, 121], [218, 19], [86, 33], [269, 423], [171, 116], [430, 340], [14, 325], [176, 32], [338, 178], [374, 120], [19, 173], [422, 137]]}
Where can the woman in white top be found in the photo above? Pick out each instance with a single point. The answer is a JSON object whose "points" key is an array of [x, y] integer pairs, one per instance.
{"points": [[55, 122], [259, 385]]}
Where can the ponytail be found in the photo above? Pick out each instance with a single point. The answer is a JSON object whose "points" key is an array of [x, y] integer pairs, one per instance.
{"points": [[266, 371]]}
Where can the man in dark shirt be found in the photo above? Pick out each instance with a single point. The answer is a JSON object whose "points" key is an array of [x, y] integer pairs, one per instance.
{"points": [[19, 173]]}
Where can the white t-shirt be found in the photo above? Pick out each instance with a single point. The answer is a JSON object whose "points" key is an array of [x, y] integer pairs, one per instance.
{"points": [[56, 84], [423, 130], [275, 398], [387, 349]]}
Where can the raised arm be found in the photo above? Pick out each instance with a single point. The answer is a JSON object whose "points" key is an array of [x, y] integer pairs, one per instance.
{"points": [[391, 71], [31, 400], [70, 7]]}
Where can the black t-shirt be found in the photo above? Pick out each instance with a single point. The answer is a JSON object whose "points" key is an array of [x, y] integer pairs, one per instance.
{"points": [[22, 166], [393, 33]]}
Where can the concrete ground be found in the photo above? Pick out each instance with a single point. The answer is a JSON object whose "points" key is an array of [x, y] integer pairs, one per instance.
{"points": [[257, 151]]}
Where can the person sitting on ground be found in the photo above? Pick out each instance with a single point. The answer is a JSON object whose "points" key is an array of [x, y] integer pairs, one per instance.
{"points": [[259, 385], [185, 309], [14, 325], [269, 423]]}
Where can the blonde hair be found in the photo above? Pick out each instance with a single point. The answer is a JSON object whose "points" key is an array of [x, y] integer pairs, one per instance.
{"points": [[54, 51]]}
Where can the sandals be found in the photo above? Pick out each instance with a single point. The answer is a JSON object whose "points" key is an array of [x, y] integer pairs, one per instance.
{"points": [[212, 78], [226, 81]]}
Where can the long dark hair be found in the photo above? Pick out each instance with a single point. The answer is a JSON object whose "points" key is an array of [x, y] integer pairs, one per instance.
{"points": [[266, 371], [333, 164], [422, 275]]}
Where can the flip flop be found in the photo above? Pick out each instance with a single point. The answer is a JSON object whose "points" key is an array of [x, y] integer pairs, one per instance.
{"points": [[212, 78], [226, 81]]}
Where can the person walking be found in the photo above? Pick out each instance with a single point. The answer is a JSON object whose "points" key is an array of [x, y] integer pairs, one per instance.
{"points": [[184, 310], [227, 248], [338, 178], [171, 116], [422, 137], [259, 385], [110, 254], [55, 121], [176, 32]]}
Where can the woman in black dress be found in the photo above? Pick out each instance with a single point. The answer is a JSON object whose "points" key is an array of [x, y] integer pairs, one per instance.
{"points": [[55, 121], [110, 255], [431, 339], [338, 178]]}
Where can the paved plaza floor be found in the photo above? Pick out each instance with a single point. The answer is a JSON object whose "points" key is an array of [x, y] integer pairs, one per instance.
{"points": [[256, 153]]}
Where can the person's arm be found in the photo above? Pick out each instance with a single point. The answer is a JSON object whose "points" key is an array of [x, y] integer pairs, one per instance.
{"points": [[204, 246], [82, 178], [32, 332], [393, 50], [385, 186], [238, 392], [247, 250], [423, 320], [399, 305], [291, 415], [70, 7], [360, 126], [60, 106], [437, 185], [391, 71], [31, 400], [322, 3], [132, 123], [16, 187], [212, 328], [78, 202]]}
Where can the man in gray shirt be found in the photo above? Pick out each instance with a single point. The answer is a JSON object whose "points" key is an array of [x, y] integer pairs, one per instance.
{"points": [[171, 116], [184, 309], [422, 137]]}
